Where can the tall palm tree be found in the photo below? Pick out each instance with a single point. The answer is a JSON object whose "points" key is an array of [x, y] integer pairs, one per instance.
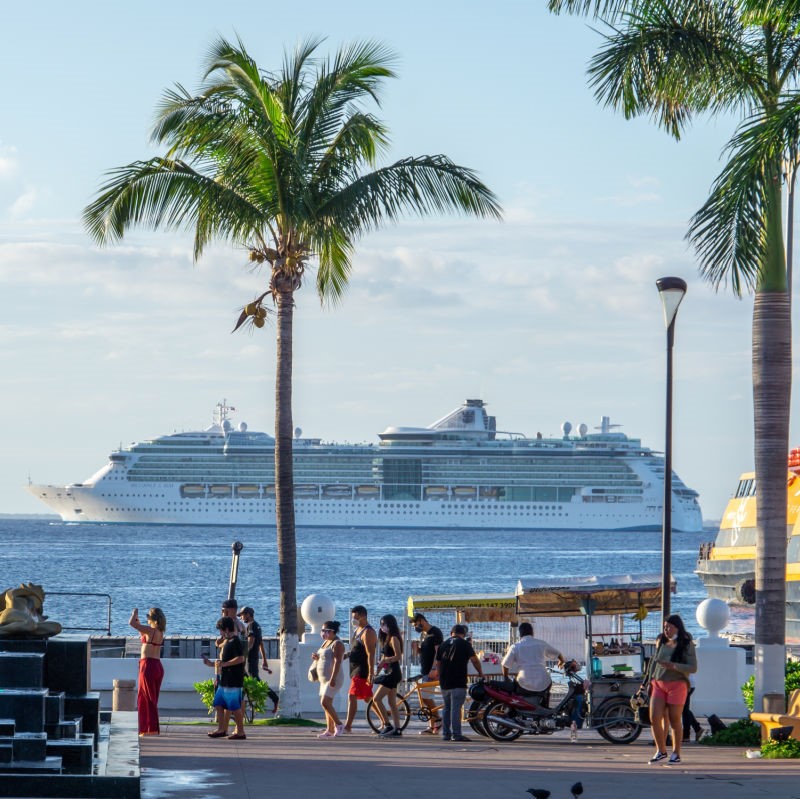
{"points": [[285, 165], [673, 59]]}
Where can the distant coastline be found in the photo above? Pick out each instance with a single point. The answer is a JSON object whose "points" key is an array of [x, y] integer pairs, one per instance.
{"points": [[32, 516]]}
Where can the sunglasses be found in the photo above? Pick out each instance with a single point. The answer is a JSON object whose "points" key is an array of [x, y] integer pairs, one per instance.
{"points": [[324, 630]]}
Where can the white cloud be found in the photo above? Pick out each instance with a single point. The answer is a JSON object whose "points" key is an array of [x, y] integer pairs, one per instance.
{"points": [[8, 162], [24, 203]]}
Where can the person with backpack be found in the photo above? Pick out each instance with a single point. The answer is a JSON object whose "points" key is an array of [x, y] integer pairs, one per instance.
{"points": [[452, 660]]}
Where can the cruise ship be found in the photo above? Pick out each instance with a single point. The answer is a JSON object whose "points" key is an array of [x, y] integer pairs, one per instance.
{"points": [[459, 472]]}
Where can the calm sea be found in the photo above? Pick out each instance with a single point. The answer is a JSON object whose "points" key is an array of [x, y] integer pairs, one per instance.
{"points": [[185, 570]]}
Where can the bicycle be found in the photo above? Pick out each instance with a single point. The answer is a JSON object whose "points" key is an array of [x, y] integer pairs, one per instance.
{"points": [[415, 690]]}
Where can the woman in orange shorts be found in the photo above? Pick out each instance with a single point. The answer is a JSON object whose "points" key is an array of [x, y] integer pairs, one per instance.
{"points": [[669, 671]]}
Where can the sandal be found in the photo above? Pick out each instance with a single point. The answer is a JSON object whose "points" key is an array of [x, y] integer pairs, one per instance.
{"points": [[237, 736], [217, 734]]}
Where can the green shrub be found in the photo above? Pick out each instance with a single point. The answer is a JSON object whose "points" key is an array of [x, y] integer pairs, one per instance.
{"points": [[789, 748], [792, 682], [741, 733], [254, 690]]}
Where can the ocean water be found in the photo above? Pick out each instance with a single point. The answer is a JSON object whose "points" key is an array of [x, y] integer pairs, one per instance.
{"points": [[185, 570]]}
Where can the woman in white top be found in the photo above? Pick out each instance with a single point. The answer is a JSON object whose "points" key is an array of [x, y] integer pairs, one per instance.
{"points": [[329, 668]]}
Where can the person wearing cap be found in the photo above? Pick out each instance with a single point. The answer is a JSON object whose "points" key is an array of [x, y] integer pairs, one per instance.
{"points": [[255, 645]]}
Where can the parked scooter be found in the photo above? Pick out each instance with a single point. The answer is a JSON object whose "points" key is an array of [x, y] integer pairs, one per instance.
{"points": [[505, 713]]}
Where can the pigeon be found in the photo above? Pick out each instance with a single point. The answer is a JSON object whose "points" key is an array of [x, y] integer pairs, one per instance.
{"points": [[577, 789], [538, 793]]}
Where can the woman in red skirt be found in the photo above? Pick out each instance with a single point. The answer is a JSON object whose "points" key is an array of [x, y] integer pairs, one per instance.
{"points": [[151, 672]]}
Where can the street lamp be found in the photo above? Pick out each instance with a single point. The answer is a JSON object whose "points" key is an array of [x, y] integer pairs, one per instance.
{"points": [[236, 549], [671, 290]]}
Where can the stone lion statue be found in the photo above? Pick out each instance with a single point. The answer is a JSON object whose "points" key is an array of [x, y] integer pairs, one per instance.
{"points": [[21, 613]]}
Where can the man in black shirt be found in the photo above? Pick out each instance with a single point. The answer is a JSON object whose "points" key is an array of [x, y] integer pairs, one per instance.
{"points": [[452, 659], [255, 646], [431, 639], [229, 665]]}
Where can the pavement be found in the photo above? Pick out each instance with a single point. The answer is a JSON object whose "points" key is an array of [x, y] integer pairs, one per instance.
{"points": [[293, 762]]}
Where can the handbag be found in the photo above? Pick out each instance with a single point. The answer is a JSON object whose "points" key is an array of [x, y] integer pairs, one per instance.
{"points": [[640, 702], [380, 679], [313, 674]]}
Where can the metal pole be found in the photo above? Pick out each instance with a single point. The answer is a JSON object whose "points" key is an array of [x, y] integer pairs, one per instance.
{"points": [[236, 548], [666, 530]]}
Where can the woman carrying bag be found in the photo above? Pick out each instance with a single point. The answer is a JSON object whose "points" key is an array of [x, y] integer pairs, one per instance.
{"points": [[389, 675], [668, 673]]}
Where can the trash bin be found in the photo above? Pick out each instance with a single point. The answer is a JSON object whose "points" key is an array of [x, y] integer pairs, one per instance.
{"points": [[124, 696]]}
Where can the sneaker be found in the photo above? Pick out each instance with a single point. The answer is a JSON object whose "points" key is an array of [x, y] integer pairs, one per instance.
{"points": [[459, 738], [326, 734], [674, 759], [658, 757], [385, 730], [392, 733], [338, 731], [446, 736]]}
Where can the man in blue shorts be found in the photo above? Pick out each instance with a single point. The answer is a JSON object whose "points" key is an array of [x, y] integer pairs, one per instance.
{"points": [[230, 668]]}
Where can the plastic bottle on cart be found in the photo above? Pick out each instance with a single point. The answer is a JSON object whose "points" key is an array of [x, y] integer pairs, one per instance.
{"points": [[573, 732], [597, 667]]}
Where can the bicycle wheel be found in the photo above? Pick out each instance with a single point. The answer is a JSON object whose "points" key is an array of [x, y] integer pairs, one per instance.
{"points": [[494, 726], [616, 721], [374, 720]]}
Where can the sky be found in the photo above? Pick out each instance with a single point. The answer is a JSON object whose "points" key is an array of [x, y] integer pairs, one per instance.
{"points": [[551, 315]]}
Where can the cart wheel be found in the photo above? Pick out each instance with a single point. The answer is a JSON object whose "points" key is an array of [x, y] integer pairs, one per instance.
{"points": [[374, 720], [616, 721], [496, 729]]}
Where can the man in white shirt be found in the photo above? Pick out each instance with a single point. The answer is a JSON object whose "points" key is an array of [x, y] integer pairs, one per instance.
{"points": [[528, 658]]}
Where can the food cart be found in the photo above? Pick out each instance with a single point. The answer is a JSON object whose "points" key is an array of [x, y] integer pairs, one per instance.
{"points": [[614, 609]]}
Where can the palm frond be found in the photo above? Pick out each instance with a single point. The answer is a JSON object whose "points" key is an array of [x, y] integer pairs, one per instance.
{"points": [[167, 194], [670, 59], [421, 185], [731, 231], [607, 9], [335, 251]]}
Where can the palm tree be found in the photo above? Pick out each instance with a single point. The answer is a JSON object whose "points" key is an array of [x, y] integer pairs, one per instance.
{"points": [[673, 59], [284, 165]]}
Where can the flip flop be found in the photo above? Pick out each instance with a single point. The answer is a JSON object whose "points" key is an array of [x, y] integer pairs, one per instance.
{"points": [[217, 734], [237, 736]]}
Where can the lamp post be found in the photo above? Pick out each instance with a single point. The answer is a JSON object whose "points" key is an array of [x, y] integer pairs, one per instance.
{"points": [[236, 549], [671, 290]]}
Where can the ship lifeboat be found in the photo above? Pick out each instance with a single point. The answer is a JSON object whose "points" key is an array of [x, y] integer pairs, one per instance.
{"points": [[435, 492], [368, 492], [247, 491], [269, 491], [193, 490], [337, 491], [219, 490], [464, 492], [488, 492], [306, 491]]}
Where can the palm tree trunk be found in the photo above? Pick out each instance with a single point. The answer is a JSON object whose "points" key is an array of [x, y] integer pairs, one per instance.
{"points": [[284, 510], [772, 386]]}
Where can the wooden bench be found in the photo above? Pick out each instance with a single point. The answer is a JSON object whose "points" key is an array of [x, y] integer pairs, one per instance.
{"points": [[770, 721]]}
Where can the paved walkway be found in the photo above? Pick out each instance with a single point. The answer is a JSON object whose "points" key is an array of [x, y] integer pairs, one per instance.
{"points": [[291, 762]]}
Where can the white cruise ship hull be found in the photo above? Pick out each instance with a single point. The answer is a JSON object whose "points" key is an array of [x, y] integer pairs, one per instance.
{"points": [[157, 504]]}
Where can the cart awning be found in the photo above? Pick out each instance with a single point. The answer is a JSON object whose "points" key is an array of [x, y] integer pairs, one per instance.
{"points": [[604, 595], [475, 607]]}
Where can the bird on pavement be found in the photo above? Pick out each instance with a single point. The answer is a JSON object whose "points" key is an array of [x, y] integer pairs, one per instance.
{"points": [[577, 789], [538, 793]]}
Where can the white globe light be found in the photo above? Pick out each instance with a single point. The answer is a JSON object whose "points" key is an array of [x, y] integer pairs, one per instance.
{"points": [[317, 609], [713, 615]]}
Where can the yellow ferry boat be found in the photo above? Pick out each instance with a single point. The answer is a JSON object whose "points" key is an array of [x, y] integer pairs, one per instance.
{"points": [[727, 565]]}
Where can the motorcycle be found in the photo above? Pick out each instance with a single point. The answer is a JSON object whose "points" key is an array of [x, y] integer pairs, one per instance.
{"points": [[505, 713]]}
